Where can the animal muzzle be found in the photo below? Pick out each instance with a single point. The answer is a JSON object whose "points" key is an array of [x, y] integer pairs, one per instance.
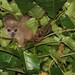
{"points": [[13, 34]]}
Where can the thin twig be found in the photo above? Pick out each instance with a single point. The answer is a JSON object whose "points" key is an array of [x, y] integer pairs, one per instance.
{"points": [[62, 31], [67, 55]]}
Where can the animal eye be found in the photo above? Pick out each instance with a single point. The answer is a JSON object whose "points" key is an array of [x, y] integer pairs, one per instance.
{"points": [[8, 30], [15, 30]]}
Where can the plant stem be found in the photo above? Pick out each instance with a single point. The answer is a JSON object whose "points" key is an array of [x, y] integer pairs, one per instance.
{"points": [[62, 31], [67, 55], [57, 64]]}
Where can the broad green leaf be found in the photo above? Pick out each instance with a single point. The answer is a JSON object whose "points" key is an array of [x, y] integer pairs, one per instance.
{"points": [[2, 34], [55, 71], [15, 9], [8, 60], [32, 24], [51, 6], [66, 23], [43, 49], [37, 12], [7, 73], [31, 61], [55, 27], [5, 57], [44, 20], [4, 43], [5, 5], [24, 5], [3, 73], [71, 10], [69, 42]]}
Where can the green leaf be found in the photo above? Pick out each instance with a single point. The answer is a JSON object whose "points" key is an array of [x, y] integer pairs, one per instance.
{"points": [[43, 49], [69, 42], [47, 41], [40, 12], [51, 6], [4, 43], [66, 23], [44, 20], [55, 27], [15, 9], [7, 73], [31, 61], [69, 73], [73, 62], [7, 60], [4, 73], [24, 5], [56, 57], [1, 23], [32, 24], [2, 34], [5, 5], [71, 10], [55, 71]]}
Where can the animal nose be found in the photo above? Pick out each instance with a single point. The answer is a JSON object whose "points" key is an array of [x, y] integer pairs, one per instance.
{"points": [[13, 34]]}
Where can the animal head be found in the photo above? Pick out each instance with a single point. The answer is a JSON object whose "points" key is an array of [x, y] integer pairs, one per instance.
{"points": [[10, 25]]}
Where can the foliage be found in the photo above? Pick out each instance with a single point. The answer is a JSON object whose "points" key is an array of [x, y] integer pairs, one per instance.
{"points": [[45, 55]]}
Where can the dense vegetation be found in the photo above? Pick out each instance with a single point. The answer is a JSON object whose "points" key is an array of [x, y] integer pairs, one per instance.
{"points": [[55, 54]]}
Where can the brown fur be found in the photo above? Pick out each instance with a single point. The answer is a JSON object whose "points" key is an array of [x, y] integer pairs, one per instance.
{"points": [[22, 33]]}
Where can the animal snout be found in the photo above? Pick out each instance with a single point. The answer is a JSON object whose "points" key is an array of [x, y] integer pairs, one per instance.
{"points": [[13, 34]]}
